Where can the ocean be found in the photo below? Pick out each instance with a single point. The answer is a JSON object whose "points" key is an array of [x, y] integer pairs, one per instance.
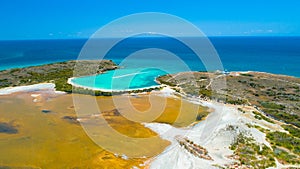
{"points": [[278, 55]]}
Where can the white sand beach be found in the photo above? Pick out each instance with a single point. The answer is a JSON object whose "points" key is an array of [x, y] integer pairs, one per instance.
{"points": [[29, 88]]}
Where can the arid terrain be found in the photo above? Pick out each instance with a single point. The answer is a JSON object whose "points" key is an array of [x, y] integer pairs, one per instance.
{"points": [[197, 119]]}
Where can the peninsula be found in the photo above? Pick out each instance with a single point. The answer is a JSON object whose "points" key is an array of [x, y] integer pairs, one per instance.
{"points": [[251, 123]]}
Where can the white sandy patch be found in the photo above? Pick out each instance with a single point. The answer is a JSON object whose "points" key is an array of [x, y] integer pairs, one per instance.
{"points": [[212, 134], [29, 88], [59, 92], [166, 91], [35, 95]]}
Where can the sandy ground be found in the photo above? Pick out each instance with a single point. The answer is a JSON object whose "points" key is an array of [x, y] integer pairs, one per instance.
{"points": [[29, 88], [212, 134]]}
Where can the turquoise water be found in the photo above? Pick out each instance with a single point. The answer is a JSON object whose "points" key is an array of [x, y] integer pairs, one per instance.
{"points": [[120, 80], [140, 66]]}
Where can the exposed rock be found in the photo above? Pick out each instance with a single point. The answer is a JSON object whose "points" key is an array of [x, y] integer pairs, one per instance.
{"points": [[71, 119], [193, 148]]}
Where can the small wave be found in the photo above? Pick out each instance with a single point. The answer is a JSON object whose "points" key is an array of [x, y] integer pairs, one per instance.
{"points": [[131, 74]]}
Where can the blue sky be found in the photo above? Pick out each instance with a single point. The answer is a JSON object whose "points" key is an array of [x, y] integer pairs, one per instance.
{"points": [[36, 19]]}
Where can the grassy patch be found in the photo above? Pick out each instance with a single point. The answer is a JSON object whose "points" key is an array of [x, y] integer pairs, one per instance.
{"points": [[259, 116], [236, 101], [205, 93], [252, 154], [286, 117], [292, 130], [285, 157], [270, 105], [285, 140]]}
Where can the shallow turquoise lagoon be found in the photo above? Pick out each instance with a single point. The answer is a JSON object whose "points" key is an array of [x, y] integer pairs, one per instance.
{"points": [[120, 80]]}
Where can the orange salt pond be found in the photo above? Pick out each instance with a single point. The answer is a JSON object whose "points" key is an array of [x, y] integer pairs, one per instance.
{"points": [[57, 140]]}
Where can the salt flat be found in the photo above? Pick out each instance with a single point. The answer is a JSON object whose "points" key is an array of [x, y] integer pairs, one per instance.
{"points": [[213, 134]]}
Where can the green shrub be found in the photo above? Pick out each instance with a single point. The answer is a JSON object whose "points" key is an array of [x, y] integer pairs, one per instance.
{"points": [[259, 116], [270, 105], [205, 93], [246, 74], [251, 154], [292, 130], [236, 101], [286, 117], [285, 140], [285, 157]]}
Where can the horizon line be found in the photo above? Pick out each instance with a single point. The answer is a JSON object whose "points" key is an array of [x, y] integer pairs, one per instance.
{"points": [[211, 36]]}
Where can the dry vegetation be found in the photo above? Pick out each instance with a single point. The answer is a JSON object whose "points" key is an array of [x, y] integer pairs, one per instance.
{"points": [[57, 73], [275, 97]]}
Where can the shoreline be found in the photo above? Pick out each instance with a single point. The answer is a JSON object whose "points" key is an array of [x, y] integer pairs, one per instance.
{"points": [[268, 73], [45, 85]]}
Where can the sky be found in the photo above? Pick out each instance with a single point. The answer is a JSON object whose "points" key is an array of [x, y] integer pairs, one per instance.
{"points": [[64, 19]]}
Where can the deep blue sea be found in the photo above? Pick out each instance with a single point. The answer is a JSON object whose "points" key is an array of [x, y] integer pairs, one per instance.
{"points": [[279, 55]]}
